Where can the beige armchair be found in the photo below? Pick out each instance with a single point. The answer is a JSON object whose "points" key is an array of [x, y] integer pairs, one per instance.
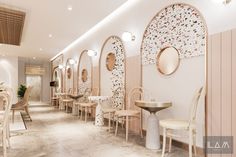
{"points": [[22, 104]]}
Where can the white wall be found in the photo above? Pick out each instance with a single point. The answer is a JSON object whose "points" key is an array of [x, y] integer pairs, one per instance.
{"points": [[9, 73]]}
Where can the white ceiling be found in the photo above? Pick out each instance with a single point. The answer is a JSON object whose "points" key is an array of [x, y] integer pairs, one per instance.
{"points": [[44, 17]]}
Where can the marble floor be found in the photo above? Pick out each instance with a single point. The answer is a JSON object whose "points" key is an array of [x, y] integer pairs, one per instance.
{"points": [[55, 133]]}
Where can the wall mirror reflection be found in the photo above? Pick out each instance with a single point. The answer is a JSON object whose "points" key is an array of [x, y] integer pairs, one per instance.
{"points": [[110, 61], [168, 60], [69, 73], [84, 75]]}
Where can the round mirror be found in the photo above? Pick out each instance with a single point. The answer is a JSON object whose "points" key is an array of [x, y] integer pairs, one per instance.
{"points": [[168, 60], [69, 73], [110, 61], [84, 75]]}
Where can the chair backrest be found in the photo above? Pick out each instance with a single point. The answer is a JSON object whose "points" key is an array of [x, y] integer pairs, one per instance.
{"points": [[136, 93], [7, 98], [70, 91], [194, 105], [95, 91], [27, 94]]}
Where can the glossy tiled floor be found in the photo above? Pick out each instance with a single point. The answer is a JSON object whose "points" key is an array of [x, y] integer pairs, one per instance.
{"points": [[54, 133]]}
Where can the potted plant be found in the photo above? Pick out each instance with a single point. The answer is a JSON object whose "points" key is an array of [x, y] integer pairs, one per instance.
{"points": [[21, 91]]}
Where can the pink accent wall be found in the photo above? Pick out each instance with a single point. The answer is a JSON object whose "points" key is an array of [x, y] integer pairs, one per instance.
{"points": [[221, 98]]}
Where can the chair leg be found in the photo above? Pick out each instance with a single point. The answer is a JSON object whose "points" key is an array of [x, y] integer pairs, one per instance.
{"points": [[170, 144], [109, 122], [194, 144], [13, 115], [164, 142], [190, 142], [140, 126], [8, 135], [4, 143], [85, 113], [117, 121], [27, 112], [127, 128]]}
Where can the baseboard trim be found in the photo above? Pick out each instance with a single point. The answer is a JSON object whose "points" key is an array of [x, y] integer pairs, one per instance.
{"points": [[182, 145]]}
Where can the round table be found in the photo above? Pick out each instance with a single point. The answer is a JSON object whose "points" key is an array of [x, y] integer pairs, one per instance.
{"points": [[153, 134], [99, 121]]}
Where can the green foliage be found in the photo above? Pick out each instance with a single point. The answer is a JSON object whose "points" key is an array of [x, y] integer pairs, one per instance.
{"points": [[21, 91]]}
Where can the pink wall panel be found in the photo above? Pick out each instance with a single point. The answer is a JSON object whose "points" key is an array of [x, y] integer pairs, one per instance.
{"points": [[233, 88], [133, 79], [221, 97], [226, 85], [209, 88]]}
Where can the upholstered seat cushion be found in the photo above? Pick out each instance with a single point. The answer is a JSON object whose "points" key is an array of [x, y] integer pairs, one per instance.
{"points": [[19, 105], [121, 113], [107, 110], [89, 104], [67, 100], [175, 124]]}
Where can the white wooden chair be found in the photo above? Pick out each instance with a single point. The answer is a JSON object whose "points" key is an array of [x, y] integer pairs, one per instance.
{"points": [[4, 127], [88, 106], [169, 125], [129, 113]]}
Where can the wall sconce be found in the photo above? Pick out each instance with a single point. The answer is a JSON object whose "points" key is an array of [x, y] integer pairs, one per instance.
{"points": [[91, 53], [222, 1], [71, 61], [127, 36], [60, 66]]}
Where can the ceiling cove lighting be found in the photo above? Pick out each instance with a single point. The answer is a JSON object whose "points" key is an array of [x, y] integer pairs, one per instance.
{"points": [[126, 6], [127, 36], [222, 1], [91, 53]]}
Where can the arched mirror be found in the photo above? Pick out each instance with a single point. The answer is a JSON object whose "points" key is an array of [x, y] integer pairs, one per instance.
{"points": [[69, 76], [110, 61], [57, 76], [68, 71], [168, 60], [84, 75]]}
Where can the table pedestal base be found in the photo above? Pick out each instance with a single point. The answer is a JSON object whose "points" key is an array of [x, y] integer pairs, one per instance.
{"points": [[99, 117], [153, 135]]}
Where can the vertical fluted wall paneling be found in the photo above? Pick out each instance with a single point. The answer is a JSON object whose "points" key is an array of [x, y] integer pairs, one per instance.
{"points": [[221, 98], [216, 86], [226, 77], [209, 93], [234, 88]]}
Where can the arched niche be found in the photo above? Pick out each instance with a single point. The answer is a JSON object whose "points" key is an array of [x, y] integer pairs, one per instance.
{"points": [[180, 26], [57, 76], [69, 77], [84, 72], [112, 82]]}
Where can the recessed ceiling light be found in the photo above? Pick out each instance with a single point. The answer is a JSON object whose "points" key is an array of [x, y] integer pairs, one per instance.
{"points": [[50, 35], [69, 8], [40, 49], [34, 58]]}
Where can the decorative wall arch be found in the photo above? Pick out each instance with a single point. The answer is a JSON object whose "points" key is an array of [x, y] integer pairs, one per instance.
{"points": [[183, 27], [69, 76], [179, 25], [58, 78], [113, 82], [85, 62]]}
